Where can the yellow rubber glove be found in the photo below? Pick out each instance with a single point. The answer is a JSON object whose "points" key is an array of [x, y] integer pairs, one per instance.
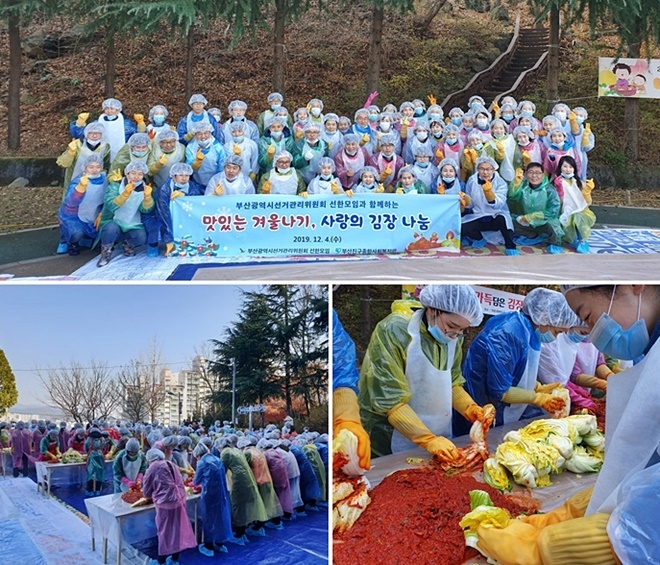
{"points": [[518, 178], [585, 135], [588, 187], [535, 217], [526, 158], [82, 119], [366, 138], [540, 132], [581, 540], [349, 193], [441, 189], [404, 419], [162, 160], [447, 120], [253, 177], [237, 149], [334, 186], [346, 416], [329, 145], [121, 199], [516, 544], [115, 176], [270, 151], [464, 404], [439, 155], [487, 187], [470, 154], [199, 159], [464, 200], [499, 150], [169, 247], [97, 222], [189, 136], [589, 381], [72, 147], [516, 395], [404, 128], [386, 172], [265, 189], [495, 107], [547, 388], [400, 191], [148, 191], [380, 188], [574, 507], [432, 99], [177, 194], [82, 185], [604, 372], [219, 189], [572, 119], [304, 194], [299, 134], [139, 118]]}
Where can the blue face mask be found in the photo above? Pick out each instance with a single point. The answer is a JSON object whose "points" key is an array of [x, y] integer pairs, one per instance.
{"points": [[568, 175], [526, 113], [275, 107], [457, 121], [181, 186], [609, 337], [439, 336], [576, 338], [419, 112], [276, 135], [159, 119], [545, 337], [448, 179], [140, 153], [580, 119], [239, 139], [450, 141], [423, 165], [435, 117], [373, 117], [507, 117]]}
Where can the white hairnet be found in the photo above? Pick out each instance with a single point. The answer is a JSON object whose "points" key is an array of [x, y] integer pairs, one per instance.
{"points": [[234, 160], [166, 134], [181, 169], [136, 166], [200, 450], [93, 158], [201, 126], [387, 139], [488, 160], [566, 288], [311, 126], [112, 103], [171, 441], [264, 444], [448, 161], [243, 442], [455, 298], [160, 109], [139, 139], [197, 98], [280, 155], [237, 126], [155, 454], [275, 96], [237, 104], [549, 308], [94, 127]]}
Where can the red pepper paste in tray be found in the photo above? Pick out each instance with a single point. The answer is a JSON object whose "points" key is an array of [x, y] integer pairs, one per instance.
{"points": [[413, 519], [133, 495]]}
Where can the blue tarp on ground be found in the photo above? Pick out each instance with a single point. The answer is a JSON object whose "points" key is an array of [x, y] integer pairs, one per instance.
{"points": [[303, 541]]}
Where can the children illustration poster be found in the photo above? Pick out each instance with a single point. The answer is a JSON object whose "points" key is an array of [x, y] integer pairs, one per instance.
{"points": [[629, 78]]}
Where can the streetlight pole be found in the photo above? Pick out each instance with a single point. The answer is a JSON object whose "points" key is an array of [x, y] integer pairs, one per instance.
{"points": [[233, 390]]}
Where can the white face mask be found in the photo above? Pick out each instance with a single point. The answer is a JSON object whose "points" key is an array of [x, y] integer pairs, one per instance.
{"points": [[385, 126], [422, 135], [284, 171], [482, 123], [560, 115], [316, 112]]}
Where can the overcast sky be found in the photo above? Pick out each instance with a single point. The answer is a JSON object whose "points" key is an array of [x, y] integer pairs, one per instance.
{"points": [[49, 325]]}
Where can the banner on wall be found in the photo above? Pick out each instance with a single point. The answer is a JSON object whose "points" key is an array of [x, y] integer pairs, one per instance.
{"points": [[497, 301], [629, 78], [275, 225]]}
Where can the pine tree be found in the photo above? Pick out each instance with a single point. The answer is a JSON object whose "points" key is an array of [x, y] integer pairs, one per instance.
{"points": [[8, 391]]}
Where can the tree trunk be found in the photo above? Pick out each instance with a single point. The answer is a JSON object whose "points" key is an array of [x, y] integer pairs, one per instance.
{"points": [[279, 57], [14, 101], [423, 23], [552, 86], [110, 72], [375, 49], [189, 65], [631, 112]]}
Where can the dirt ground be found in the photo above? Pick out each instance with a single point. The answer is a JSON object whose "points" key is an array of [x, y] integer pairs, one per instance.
{"points": [[35, 207]]}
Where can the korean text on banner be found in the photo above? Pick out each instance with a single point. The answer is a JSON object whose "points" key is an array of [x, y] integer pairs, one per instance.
{"points": [[275, 225], [497, 301]]}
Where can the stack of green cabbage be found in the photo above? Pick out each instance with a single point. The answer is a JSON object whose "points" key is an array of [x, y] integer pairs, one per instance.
{"points": [[72, 456], [530, 455], [349, 485]]}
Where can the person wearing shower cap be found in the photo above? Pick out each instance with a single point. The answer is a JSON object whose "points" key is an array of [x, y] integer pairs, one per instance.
{"points": [[238, 144], [157, 121], [275, 101], [118, 128], [166, 151], [411, 375], [197, 115], [237, 110], [617, 518], [164, 485], [350, 160], [128, 467], [282, 178], [93, 142], [126, 200], [137, 148], [215, 504], [488, 211], [502, 362]]}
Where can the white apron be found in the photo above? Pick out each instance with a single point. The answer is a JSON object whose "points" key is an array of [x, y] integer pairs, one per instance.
{"points": [[557, 360], [92, 202], [633, 429], [129, 214], [513, 412], [131, 470], [572, 202], [430, 388], [115, 134], [587, 355], [284, 184]]}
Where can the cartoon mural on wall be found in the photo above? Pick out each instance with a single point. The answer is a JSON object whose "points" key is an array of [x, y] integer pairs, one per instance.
{"points": [[630, 78]]}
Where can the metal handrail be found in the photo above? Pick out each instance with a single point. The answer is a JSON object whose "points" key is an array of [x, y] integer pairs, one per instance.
{"points": [[523, 76], [495, 64]]}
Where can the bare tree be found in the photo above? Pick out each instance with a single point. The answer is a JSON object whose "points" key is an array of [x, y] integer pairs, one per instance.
{"points": [[210, 379], [151, 362], [84, 393], [134, 394]]}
